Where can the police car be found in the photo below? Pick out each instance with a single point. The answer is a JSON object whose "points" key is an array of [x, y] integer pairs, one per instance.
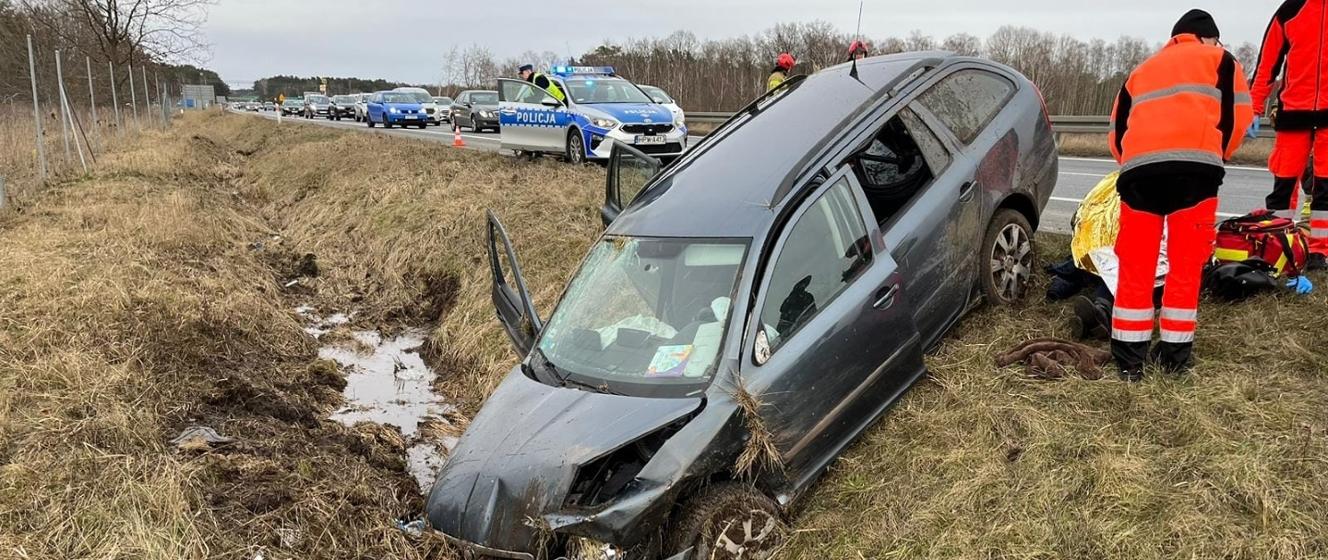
{"points": [[599, 109]]}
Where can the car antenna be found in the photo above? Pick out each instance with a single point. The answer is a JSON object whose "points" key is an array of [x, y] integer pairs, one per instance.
{"points": [[857, 35]]}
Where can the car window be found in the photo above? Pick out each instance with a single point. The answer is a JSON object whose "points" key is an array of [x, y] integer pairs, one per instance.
{"points": [[898, 163], [967, 100], [523, 92], [823, 252]]}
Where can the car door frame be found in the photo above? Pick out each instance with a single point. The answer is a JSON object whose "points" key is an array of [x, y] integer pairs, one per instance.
{"points": [[512, 302], [872, 395], [613, 203]]}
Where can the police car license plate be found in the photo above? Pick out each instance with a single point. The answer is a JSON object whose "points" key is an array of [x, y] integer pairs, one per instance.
{"points": [[649, 140]]}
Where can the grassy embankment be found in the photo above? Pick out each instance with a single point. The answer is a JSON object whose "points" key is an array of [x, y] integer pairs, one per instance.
{"points": [[137, 302]]}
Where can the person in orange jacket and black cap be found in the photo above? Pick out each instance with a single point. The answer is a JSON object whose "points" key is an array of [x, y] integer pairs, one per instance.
{"points": [[783, 65], [1177, 120]]}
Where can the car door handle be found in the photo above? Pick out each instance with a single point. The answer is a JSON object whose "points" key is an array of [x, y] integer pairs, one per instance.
{"points": [[966, 191], [885, 297]]}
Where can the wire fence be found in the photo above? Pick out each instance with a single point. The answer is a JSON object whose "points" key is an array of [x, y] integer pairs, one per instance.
{"points": [[59, 135]]}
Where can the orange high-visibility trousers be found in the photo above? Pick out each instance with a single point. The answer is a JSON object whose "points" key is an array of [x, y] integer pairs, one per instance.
{"points": [[1190, 235], [1291, 153]]}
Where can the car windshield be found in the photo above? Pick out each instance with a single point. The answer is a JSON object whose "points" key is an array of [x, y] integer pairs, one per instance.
{"points": [[317, 99], [399, 98], [484, 98], [292, 102], [657, 95], [442, 100], [344, 98], [605, 90], [419, 96], [646, 311]]}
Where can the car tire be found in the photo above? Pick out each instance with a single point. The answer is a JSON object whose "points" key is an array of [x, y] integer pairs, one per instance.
{"points": [[424, 126], [730, 520], [1008, 258], [369, 121], [575, 153]]}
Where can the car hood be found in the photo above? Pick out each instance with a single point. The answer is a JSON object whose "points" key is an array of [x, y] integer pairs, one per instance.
{"points": [[517, 460], [633, 113]]}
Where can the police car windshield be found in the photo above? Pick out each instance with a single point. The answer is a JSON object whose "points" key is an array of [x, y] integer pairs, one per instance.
{"points": [[605, 90], [486, 98]]}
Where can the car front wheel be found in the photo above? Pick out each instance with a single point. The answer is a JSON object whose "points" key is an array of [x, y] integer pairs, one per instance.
{"points": [[730, 521], [1009, 258], [576, 148], [368, 119]]}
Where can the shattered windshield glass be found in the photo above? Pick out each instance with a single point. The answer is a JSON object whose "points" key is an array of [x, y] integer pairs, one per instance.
{"points": [[646, 310]]}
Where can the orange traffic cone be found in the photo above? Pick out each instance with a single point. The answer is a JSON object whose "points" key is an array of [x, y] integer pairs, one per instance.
{"points": [[457, 142]]}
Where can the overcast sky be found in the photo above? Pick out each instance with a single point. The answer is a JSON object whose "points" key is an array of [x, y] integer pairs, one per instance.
{"points": [[405, 39]]}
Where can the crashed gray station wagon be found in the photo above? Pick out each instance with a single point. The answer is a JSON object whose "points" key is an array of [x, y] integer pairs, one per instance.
{"points": [[772, 292]]}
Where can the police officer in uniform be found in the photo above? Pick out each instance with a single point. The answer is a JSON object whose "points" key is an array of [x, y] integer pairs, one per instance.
{"points": [[541, 81]]}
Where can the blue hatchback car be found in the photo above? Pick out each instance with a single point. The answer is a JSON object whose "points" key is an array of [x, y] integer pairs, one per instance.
{"points": [[393, 107]]}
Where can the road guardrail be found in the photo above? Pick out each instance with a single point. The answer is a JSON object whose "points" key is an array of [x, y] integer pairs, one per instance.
{"points": [[1063, 124]]}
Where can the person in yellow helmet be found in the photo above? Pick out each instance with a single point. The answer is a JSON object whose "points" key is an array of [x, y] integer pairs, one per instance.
{"points": [[783, 65], [541, 81]]}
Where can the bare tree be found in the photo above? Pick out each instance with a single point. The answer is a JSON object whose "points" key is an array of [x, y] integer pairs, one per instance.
{"points": [[129, 31]]}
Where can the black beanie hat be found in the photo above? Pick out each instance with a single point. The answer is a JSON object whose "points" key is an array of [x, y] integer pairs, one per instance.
{"points": [[1198, 22]]}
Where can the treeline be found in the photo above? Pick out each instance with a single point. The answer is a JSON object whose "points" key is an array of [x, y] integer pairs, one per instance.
{"points": [[92, 33], [295, 86], [1077, 77]]}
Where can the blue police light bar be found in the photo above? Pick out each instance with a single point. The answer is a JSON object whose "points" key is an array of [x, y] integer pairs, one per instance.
{"points": [[569, 70]]}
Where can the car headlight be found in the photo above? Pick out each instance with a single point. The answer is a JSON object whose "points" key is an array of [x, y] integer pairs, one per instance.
{"points": [[392, 110], [679, 120], [486, 114], [603, 123]]}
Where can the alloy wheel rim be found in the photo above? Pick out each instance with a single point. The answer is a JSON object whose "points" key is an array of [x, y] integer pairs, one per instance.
{"points": [[1012, 262], [747, 536]]}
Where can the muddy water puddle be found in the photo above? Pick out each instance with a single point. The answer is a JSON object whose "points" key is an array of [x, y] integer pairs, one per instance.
{"points": [[387, 382]]}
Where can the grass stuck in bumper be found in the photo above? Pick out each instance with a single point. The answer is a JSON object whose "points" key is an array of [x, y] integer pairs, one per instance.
{"points": [[138, 301]]}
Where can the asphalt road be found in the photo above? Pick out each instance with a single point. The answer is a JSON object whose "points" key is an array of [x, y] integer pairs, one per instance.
{"points": [[1242, 191]]}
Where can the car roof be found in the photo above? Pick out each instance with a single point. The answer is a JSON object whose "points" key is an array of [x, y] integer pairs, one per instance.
{"points": [[734, 184]]}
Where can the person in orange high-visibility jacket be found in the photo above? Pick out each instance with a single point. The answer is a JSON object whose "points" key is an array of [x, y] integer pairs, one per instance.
{"points": [[1177, 120], [1295, 46]]}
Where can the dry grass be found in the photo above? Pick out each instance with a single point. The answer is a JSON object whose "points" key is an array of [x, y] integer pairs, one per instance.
{"points": [[136, 302], [981, 462], [1253, 152]]}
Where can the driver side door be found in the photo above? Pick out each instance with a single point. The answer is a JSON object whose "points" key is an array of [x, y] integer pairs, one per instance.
{"points": [[511, 300], [529, 118], [832, 342]]}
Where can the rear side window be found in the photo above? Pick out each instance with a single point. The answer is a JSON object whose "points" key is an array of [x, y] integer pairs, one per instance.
{"points": [[824, 252], [967, 101]]}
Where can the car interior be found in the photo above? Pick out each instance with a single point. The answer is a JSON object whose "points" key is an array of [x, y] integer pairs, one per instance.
{"points": [[891, 169]]}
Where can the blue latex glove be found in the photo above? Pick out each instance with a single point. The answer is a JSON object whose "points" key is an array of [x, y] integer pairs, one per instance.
{"points": [[1300, 284], [1253, 132]]}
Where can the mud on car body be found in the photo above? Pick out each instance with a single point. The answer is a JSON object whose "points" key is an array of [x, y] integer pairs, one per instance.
{"points": [[599, 110], [792, 305]]}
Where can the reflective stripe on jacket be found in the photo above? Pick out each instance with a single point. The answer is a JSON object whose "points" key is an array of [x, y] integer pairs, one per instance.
{"points": [[1183, 110], [1295, 48]]}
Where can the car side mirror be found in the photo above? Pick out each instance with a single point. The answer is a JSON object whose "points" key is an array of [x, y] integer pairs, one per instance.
{"points": [[550, 102]]}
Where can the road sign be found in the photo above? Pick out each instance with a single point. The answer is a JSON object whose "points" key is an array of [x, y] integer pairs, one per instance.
{"points": [[281, 98], [322, 85]]}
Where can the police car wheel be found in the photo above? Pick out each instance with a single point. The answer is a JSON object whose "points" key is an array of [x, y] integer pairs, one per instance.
{"points": [[576, 149]]}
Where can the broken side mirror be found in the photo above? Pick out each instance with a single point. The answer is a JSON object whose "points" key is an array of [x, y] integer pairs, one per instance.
{"points": [[630, 170]]}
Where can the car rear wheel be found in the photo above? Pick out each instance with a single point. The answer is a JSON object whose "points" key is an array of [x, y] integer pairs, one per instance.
{"points": [[730, 521], [1009, 258], [576, 148]]}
